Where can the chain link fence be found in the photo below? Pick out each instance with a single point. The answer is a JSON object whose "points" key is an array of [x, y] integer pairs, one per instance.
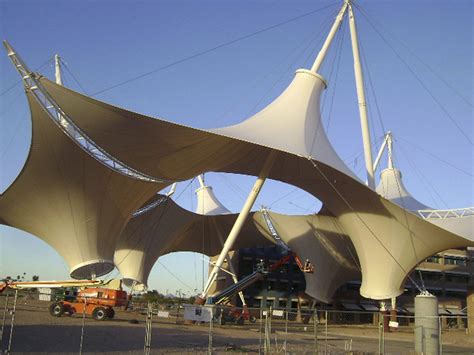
{"points": [[28, 326]]}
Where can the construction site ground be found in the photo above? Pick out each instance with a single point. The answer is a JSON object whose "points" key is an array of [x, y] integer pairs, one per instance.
{"points": [[35, 331]]}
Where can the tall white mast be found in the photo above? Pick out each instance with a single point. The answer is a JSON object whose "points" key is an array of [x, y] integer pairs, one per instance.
{"points": [[359, 78], [387, 142], [337, 23], [234, 232], [57, 70]]}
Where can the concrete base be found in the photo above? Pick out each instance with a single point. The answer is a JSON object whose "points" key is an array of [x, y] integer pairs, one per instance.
{"points": [[426, 325]]}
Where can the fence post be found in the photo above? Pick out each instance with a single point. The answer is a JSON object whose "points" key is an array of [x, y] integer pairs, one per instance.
{"points": [[210, 331], [260, 333], [83, 326], [286, 328], [148, 329], [440, 325], [177, 314], [315, 321], [383, 334], [4, 318], [326, 340], [12, 322], [381, 322]]}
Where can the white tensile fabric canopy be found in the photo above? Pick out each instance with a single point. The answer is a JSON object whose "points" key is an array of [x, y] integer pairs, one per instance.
{"points": [[322, 241], [385, 236], [70, 200], [169, 228], [392, 188]]}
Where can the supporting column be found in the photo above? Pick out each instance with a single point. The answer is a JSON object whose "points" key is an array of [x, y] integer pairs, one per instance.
{"points": [[393, 314], [239, 222], [426, 324], [362, 102], [231, 265]]}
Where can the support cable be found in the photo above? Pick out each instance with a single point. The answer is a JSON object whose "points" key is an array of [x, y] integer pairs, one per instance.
{"points": [[312, 38], [423, 85], [372, 87], [402, 202], [426, 65], [212, 49], [343, 30], [318, 127], [50, 60], [424, 181], [375, 144], [330, 183], [292, 63], [436, 157], [73, 76]]}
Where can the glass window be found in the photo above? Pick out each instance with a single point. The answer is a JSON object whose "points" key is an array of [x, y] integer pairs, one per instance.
{"points": [[450, 260], [434, 259]]}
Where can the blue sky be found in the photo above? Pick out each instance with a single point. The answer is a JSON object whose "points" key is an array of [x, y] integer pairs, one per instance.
{"points": [[108, 42]]}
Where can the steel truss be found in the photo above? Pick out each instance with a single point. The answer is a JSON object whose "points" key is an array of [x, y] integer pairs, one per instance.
{"points": [[32, 84]]}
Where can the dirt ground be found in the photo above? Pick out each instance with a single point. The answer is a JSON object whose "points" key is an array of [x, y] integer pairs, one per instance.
{"points": [[36, 332]]}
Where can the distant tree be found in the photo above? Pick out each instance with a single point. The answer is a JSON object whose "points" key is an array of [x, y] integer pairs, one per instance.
{"points": [[35, 278]]}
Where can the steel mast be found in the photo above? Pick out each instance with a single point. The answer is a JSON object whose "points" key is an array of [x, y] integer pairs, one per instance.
{"points": [[359, 78]]}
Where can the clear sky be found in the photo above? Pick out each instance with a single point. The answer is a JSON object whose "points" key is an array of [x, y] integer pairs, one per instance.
{"points": [[108, 42]]}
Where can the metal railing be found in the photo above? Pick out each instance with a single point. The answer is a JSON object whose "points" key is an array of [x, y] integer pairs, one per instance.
{"points": [[148, 327]]}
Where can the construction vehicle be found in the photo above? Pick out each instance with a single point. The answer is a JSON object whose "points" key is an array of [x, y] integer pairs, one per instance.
{"points": [[232, 314], [95, 297], [238, 316]]}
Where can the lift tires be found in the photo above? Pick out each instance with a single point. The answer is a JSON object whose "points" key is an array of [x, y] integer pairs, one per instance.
{"points": [[252, 319], [56, 309], [99, 313], [110, 313]]}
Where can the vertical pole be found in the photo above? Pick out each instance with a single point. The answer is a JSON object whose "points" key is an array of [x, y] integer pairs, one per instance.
{"points": [[57, 70], [260, 331], [326, 340], [322, 53], [315, 320], [383, 337], [440, 336], [286, 328], [4, 317], [210, 331], [362, 102], [389, 149], [381, 321], [240, 221], [177, 314], [148, 328], [83, 326], [12, 322]]}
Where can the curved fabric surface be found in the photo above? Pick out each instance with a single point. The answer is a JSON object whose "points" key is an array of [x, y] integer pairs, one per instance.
{"points": [[69, 200], [169, 228], [385, 236], [320, 240], [391, 187], [207, 202]]}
